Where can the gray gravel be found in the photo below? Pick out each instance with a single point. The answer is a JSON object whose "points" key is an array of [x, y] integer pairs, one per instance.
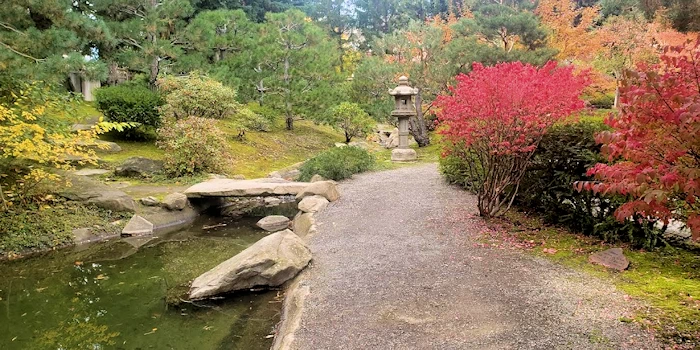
{"points": [[396, 267]]}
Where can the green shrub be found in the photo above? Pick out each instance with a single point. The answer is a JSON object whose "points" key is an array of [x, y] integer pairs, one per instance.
{"points": [[337, 163], [249, 120], [602, 101], [352, 120], [562, 158], [266, 112], [130, 102], [454, 166], [196, 95], [193, 145]]}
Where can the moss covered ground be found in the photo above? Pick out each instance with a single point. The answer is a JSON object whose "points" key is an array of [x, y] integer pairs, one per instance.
{"points": [[666, 280]]}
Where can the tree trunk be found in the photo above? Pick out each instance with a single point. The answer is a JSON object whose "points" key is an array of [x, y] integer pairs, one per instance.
{"points": [[288, 96], [155, 68], [617, 94], [419, 130]]}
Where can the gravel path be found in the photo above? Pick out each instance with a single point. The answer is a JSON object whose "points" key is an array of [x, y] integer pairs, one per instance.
{"points": [[395, 267]]}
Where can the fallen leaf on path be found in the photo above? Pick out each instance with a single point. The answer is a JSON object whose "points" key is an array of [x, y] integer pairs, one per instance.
{"points": [[549, 250]]}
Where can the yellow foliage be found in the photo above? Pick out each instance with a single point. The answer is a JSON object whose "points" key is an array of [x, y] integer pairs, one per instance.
{"points": [[571, 29], [31, 134]]}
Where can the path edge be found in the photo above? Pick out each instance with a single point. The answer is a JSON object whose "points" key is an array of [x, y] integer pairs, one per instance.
{"points": [[292, 309]]}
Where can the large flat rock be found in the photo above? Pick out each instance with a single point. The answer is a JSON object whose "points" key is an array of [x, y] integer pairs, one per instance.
{"points": [[244, 188]]}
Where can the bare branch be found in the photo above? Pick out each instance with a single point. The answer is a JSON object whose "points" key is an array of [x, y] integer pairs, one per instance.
{"points": [[37, 60]]}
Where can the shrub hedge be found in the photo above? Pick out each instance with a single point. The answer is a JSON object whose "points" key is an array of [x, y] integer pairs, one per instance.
{"points": [[337, 163], [130, 102]]}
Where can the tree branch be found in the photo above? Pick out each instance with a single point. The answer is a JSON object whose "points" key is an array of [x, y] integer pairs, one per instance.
{"points": [[37, 60]]}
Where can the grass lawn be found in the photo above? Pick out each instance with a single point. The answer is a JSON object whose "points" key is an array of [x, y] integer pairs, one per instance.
{"points": [[667, 279], [256, 155]]}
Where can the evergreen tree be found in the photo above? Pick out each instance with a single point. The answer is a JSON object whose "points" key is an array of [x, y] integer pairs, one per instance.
{"points": [[45, 40], [147, 32]]}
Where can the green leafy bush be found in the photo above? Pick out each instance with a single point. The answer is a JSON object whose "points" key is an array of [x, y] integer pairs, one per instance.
{"points": [[337, 163], [249, 120], [351, 119], [130, 102], [193, 145], [602, 101], [196, 95], [562, 158]]}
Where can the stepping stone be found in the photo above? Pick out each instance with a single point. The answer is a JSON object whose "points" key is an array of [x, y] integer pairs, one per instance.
{"points": [[611, 258], [138, 226], [313, 204], [90, 172]]}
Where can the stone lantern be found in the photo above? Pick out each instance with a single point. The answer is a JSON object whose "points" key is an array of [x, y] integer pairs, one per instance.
{"points": [[403, 110]]}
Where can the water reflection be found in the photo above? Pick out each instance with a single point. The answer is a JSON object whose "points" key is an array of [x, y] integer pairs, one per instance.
{"points": [[95, 299]]}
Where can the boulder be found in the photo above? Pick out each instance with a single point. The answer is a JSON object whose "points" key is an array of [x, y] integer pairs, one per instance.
{"points": [[139, 167], [612, 258], [102, 146], [393, 140], [317, 178], [81, 127], [138, 226], [270, 262], [273, 223], [304, 224], [90, 191], [244, 188], [175, 201], [313, 204], [327, 189], [149, 201]]}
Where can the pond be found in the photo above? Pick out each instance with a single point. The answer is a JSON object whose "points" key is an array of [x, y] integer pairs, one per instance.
{"points": [[114, 295]]}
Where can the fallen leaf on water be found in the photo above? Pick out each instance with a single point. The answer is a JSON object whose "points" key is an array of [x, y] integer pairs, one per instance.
{"points": [[151, 332], [39, 290], [15, 338], [549, 250], [206, 328], [78, 263], [269, 336], [101, 277]]}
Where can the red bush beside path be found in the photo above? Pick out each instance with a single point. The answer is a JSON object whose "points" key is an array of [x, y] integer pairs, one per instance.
{"points": [[656, 141], [499, 115]]}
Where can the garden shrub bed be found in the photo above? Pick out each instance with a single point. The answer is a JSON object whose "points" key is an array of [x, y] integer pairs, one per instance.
{"points": [[337, 163]]}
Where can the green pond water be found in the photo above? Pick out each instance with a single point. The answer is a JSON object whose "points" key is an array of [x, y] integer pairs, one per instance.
{"points": [[112, 295]]}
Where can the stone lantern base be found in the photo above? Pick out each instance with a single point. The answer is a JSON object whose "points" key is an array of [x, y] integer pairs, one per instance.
{"points": [[403, 155]]}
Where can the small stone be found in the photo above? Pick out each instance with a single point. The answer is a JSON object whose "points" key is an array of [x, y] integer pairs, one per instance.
{"points": [[149, 201], [238, 177], [272, 201], [317, 178], [275, 174], [612, 258], [138, 226], [175, 201], [273, 223], [313, 204]]}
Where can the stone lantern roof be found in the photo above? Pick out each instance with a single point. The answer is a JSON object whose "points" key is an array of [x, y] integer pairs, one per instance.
{"points": [[403, 89]]}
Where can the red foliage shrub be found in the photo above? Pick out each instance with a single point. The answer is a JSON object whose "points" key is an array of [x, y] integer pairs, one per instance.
{"points": [[496, 117], [656, 141]]}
